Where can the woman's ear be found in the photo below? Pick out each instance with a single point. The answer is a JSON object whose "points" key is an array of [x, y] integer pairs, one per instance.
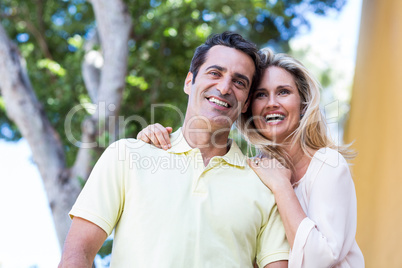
{"points": [[188, 82], [302, 110]]}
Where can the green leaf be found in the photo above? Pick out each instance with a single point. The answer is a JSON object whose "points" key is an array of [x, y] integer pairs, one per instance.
{"points": [[137, 81], [2, 104], [76, 41], [52, 66]]}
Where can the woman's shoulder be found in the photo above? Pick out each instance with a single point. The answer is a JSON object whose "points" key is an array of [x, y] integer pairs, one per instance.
{"points": [[329, 156], [328, 167]]}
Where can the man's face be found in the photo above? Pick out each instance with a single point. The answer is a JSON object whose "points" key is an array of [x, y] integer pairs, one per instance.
{"points": [[221, 87]]}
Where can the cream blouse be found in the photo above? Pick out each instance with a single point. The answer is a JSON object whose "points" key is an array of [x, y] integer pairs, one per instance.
{"points": [[326, 237]]}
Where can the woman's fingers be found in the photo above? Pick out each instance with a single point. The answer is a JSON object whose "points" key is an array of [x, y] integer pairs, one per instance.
{"points": [[142, 136], [254, 162], [270, 171], [258, 163], [162, 135], [169, 129], [148, 136], [157, 135]]}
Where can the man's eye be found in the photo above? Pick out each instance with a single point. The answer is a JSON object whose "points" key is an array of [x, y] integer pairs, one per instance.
{"points": [[214, 73], [240, 83]]}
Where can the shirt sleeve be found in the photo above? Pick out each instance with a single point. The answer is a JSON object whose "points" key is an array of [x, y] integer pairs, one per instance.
{"points": [[327, 234], [101, 201], [272, 244]]}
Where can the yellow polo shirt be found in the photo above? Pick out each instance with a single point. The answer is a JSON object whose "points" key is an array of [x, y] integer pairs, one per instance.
{"points": [[169, 210]]}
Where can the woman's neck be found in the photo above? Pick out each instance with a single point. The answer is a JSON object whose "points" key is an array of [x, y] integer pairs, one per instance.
{"points": [[300, 161]]}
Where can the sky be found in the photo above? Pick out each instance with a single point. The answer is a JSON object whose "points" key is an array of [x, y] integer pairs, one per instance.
{"points": [[28, 237], [332, 44]]}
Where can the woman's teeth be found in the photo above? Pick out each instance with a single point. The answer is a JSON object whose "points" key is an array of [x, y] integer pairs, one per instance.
{"points": [[218, 102], [274, 117]]}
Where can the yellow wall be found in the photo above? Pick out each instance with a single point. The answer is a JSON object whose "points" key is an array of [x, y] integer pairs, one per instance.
{"points": [[375, 124]]}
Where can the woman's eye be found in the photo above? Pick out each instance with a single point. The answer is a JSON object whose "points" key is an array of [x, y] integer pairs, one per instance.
{"points": [[260, 95], [284, 92]]}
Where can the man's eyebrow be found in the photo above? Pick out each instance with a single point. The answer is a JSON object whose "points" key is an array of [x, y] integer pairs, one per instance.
{"points": [[220, 68], [237, 75]]}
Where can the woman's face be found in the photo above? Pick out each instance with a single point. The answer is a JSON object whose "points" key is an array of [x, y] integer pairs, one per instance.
{"points": [[276, 104]]}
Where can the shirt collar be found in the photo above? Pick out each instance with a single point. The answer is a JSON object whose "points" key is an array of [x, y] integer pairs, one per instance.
{"points": [[179, 143], [233, 157]]}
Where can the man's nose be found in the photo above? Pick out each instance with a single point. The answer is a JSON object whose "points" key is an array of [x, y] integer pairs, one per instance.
{"points": [[224, 86]]}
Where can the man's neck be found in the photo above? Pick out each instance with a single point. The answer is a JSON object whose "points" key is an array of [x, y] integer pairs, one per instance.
{"points": [[210, 143]]}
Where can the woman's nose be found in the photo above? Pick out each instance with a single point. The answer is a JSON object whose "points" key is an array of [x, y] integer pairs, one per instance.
{"points": [[272, 101]]}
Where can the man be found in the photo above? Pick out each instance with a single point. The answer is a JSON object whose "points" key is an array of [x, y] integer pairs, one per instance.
{"points": [[197, 204]]}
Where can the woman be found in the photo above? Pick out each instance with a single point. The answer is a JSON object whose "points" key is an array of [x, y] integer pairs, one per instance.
{"points": [[316, 200]]}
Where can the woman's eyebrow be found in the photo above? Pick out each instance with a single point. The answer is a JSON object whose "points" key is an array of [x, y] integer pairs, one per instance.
{"points": [[284, 86], [260, 89]]}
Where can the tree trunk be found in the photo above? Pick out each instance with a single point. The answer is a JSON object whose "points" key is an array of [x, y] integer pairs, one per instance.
{"points": [[23, 108], [104, 75]]}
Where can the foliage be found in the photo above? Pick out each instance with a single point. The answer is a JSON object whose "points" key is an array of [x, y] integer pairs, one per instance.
{"points": [[106, 248], [50, 35], [42, 30]]}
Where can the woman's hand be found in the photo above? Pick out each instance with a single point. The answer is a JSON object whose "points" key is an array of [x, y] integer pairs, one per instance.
{"points": [[157, 135], [272, 173]]}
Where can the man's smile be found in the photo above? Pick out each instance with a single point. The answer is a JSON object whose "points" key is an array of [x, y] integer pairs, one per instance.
{"points": [[218, 102]]}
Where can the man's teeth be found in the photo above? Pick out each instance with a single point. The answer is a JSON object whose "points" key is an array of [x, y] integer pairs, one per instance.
{"points": [[274, 117], [220, 103]]}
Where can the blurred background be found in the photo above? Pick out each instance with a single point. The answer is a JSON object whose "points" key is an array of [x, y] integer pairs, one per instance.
{"points": [[77, 75]]}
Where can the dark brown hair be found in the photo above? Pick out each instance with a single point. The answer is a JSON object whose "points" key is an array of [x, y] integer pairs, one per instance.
{"points": [[232, 40]]}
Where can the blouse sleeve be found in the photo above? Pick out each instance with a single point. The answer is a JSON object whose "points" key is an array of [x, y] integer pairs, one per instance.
{"points": [[327, 234]]}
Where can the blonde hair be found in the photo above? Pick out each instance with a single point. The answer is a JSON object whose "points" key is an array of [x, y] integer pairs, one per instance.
{"points": [[312, 130]]}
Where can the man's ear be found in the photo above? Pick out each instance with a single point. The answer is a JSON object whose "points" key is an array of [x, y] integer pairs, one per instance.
{"points": [[188, 82], [245, 107]]}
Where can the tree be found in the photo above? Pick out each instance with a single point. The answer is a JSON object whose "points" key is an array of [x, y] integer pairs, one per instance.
{"points": [[75, 76]]}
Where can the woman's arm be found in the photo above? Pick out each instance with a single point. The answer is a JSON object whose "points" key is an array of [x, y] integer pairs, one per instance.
{"points": [[277, 178], [325, 237], [328, 234]]}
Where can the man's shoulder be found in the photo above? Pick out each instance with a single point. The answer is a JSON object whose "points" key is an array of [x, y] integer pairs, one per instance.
{"points": [[134, 145]]}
